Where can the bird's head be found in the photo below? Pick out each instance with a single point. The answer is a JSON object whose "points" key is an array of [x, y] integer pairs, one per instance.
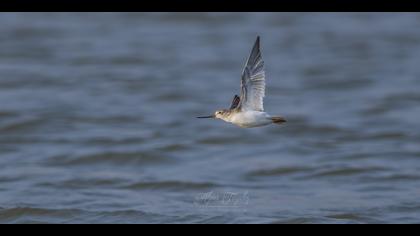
{"points": [[219, 114]]}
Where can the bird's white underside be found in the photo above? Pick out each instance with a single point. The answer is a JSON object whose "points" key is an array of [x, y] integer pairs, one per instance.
{"points": [[249, 119]]}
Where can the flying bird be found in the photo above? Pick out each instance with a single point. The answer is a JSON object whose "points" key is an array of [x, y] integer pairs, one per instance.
{"points": [[247, 110]]}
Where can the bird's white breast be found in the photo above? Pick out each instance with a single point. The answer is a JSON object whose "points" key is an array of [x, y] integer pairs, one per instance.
{"points": [[249, 119]]}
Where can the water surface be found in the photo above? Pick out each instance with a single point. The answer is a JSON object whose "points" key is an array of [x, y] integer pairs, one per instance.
{"points": [[97, 118]]}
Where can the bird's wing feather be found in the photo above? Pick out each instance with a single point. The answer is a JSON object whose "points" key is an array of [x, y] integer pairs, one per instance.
{"points": [[235, 102], [253, 81]]}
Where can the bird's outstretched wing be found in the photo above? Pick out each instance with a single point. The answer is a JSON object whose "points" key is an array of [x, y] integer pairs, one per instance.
{"points": [[253, 81], [235, 102]]}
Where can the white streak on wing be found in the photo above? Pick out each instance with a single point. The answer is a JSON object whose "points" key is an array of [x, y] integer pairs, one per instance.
{"points": [[253, 81]]}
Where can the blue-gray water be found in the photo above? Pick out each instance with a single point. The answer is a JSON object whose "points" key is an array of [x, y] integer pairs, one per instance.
{"points": [[97, 118]]}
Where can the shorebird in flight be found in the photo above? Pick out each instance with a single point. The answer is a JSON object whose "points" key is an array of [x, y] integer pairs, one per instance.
{"points": [[247, 110]]}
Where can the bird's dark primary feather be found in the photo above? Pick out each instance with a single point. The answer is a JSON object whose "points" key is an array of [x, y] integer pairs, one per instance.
{"points": [[235, 102]]}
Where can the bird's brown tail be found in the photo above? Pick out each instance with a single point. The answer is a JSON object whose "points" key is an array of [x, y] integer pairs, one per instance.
{"points": [[278, 119]]}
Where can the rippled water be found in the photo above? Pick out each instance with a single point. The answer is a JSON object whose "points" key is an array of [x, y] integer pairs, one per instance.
{"points": [[97, 118]]}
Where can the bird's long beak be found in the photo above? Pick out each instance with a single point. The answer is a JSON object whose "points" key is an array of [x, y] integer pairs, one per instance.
{"points": [[204, 117]]}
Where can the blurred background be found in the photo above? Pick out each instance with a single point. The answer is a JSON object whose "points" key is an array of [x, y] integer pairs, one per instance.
{"points": [[97, 118]]}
